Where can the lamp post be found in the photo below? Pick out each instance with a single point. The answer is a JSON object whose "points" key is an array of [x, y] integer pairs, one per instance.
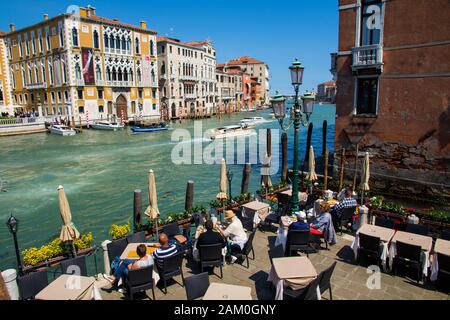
{"points": [[13, 225], [230, 175], [300, 115]]}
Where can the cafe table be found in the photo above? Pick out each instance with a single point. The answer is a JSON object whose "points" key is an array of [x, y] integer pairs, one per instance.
{"points": [[282, 232], [302, 196], [442, 247], [294, 272], [220, 291], [413, 239], [385, 235], [130, 254], [70, 287], [256, 210]]}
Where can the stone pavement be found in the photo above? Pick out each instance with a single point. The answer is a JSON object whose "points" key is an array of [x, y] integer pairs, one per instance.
{"points": [[348, 281]]}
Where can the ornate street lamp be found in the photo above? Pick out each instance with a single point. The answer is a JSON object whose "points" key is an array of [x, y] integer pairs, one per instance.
{"points": [[230, 175], [13, 225], [300, 115]]}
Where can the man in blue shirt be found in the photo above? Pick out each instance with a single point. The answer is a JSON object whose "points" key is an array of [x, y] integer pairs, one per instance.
{"points": [[348, 202]]}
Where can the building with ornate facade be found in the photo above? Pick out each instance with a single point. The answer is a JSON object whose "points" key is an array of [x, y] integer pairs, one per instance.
{"points": [[259, 71], [187, 78], [326, 92], [83, 65], [393, 92]]}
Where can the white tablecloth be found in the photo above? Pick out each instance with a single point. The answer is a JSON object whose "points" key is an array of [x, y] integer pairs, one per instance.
{"points": [[279, 285], [384, 250], [434, 268], [425, 258]]}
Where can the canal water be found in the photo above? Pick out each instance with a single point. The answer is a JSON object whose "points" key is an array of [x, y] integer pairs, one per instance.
{"points": [[100, 170]]}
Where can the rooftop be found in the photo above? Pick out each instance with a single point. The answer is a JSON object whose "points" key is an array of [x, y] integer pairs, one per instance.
{"points": [[244, 60], [195, 44]]}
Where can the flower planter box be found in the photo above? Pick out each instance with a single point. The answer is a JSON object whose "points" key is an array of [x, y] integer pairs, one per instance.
{"points": [[56, 261]]}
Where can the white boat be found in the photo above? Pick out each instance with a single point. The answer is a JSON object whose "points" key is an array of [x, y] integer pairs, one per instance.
{"points": [[252, 121], [62, 130], [230, 131], [106, 125]]}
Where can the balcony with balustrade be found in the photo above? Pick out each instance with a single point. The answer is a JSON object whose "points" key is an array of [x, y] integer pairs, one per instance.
{"points": [[367, 57], [36, 86], [188, 78]]}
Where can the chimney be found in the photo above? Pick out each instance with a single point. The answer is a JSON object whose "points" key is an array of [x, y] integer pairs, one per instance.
{"points": [[143, 25], [45, 17], [12, 27]]}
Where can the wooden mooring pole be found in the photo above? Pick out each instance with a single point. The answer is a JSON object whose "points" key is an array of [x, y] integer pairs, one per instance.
{"points": [[137, 212], [246, 178], [341, 178], [325, 171], [189, 204]]}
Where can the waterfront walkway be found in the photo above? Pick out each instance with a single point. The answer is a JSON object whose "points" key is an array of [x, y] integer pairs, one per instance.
{"points": [[348, 281]]}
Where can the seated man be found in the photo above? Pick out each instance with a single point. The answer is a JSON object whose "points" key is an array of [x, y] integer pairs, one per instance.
{"points": [[164, 251], [144, 260], [235, 233], [210, 237], [348, 202], [300, 224]]}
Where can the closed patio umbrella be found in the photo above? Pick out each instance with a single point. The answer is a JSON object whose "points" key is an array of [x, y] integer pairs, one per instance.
{"points": [[312, 176], [152, 211], [223, 184], [265, 172], [365, 176], [68, 231]]}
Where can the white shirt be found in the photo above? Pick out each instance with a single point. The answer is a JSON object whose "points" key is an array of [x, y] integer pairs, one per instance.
{"points": [[236, 233]]}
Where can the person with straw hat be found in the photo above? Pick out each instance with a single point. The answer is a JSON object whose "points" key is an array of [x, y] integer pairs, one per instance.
{"points": [[236, 235]]}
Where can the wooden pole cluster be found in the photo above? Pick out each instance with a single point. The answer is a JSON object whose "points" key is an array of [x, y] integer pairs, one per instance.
{"points": [[81, 124]]}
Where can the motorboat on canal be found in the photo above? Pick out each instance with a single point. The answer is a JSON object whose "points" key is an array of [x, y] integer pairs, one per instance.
{"points": [[107, 125], [154, 127], [230, 131], [62, 130], [252, 121]]}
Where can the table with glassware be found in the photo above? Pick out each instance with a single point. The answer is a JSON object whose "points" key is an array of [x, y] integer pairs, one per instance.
{"points": [[130, 254]]}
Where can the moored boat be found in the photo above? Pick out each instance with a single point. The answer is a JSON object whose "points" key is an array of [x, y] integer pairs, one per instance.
{"points": [[107, 125], [252, 120], [150, 128], [62, 130]]}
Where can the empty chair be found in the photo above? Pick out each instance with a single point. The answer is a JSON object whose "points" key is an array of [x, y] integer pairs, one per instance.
{"points": [[325, 280], [247, 223], [283, 199], [298, 240], [408, 256], [136, 237], [31, 284], [211, 256], [171, 267], [276, 252], [116, 248], [307, 293], [171, 230], [386, 223], [417, 229], [444, 268], [346, 217], [139, 280], [248, 248], [76, 266], [196, 286], [445, 234], [310, 201], [369, 247]]}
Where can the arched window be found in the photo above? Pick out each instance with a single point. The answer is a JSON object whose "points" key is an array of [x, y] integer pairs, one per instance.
{"points": [[130, 75], [111, 42], [153, 77], [152, 48], [96, 40], [119, 75], [118, 43], [75, 37], [44, 78], [129, 45], [106, 40], [138, 46], [108, 74], [78, 71], [139, 75], [114, 74], [124, 43], [163, 68], [125, 75], [98, 73]]}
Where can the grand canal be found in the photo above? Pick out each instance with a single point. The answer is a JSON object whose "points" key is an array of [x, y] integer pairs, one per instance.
{"points": [[100, 171]]}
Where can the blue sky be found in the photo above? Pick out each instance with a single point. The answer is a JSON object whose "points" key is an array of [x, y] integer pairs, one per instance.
{"points": [[273, 31]]}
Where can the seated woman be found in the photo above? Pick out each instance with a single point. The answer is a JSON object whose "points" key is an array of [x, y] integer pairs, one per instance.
{"points": [[144, 260], [323, 226], [300, 224]]}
